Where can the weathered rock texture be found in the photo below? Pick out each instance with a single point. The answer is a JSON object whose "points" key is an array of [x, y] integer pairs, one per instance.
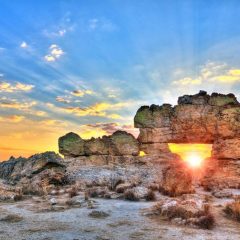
{"points": [[34, 174], [120, 147], [201, 118]]}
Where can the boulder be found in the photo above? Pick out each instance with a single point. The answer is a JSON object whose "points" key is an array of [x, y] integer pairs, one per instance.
{"points": [[96, 146], [71, 145], [123, 143]]}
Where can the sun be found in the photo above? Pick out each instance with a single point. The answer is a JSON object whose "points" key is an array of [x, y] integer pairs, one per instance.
{"points": [[194, 160]]}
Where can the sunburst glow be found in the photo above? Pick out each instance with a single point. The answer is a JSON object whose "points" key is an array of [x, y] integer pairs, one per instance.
{"points": [[193, 154], [194, 160]]}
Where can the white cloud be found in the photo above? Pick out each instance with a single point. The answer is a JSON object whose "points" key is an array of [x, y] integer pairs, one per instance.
{"points": [[55, 52], [23, 45]]}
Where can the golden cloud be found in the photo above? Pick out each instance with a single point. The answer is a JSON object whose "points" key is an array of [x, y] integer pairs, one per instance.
{"points": [[188, 81], [8, 87], [13, 103], [98, 109], [12, 118], [210, 73]]}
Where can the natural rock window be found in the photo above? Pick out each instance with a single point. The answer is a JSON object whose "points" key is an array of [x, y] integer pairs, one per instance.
{"points": [[193, 154]]}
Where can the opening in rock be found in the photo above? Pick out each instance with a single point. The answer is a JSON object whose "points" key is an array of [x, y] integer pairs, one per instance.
{"points": [[193, 154]]}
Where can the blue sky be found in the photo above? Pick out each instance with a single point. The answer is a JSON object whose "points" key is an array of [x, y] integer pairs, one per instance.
{"points": [[87, 66]]}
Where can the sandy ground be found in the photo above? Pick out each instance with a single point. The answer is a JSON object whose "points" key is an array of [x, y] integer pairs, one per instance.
{"points": [[125, 221]]}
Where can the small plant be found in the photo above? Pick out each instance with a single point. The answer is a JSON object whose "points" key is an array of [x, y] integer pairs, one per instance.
{"points": [[130, 195], [92, 192], [154, 187], [206, 221], [150, 196], [18, 197], [73, 192], [233, 210], [86, 196]]}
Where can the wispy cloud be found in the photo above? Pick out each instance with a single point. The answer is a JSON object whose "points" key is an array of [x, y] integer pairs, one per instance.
{"points": [[99, 109], [12, 118], [212, 73], [55, 52], [63, 100], [17, 87], [13, 103], [101, 24], [53, 122], [81, 93]]}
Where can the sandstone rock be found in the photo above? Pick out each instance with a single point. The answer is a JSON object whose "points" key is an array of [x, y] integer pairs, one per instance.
{"points": [[71, 145], [15, 169], [154, 148], [227, 149], [120, 143], [123, 143], [96, 146], [199, 118], [177, 180]]}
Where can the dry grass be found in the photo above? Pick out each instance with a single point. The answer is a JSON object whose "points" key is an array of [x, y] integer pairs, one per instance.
{"points": [[202, 218], [130, 195], [233, 210], [11, 218]]}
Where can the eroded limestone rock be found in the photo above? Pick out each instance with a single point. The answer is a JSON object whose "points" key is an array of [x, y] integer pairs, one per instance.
{"points": [[199, 118], [120, 143]]}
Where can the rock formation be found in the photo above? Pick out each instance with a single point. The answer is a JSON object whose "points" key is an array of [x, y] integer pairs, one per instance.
{"points": [[200, 118], [118, 148], [34, 174]]}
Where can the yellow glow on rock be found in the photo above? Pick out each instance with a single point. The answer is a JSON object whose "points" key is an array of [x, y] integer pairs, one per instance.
{"points": [[142, 153], [193, 154]]}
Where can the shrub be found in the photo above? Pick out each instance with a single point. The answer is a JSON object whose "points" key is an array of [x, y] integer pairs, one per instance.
{"points": [[93, 192], [130, 195], [154, 187], [18, 197], [150, 196], [73, 192], [206, 221], [233, 210]]}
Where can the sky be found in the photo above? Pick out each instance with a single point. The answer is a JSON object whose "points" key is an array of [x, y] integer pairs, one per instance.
{"points": [[87, 66]]}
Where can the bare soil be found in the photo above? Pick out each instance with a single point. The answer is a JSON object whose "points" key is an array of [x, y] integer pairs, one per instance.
{"points": [[35, 219]]}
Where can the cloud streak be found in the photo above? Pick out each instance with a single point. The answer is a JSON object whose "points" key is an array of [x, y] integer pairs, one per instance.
{"points": [[17, 87]]}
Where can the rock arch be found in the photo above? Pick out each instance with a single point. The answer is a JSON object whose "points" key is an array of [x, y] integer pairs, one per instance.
{"points": [[199, 118]]}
